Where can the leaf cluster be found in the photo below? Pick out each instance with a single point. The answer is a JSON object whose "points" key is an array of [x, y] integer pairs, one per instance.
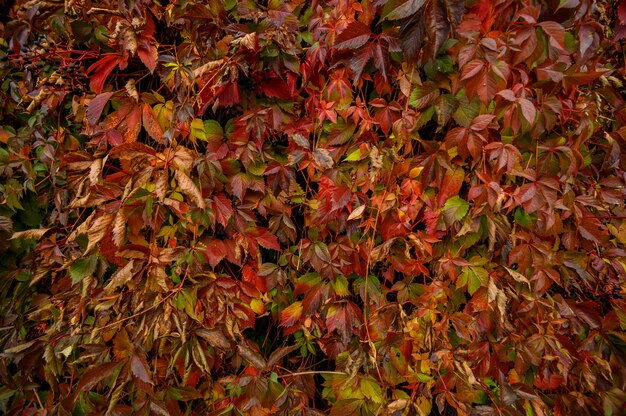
{"points": [[285, 207]]}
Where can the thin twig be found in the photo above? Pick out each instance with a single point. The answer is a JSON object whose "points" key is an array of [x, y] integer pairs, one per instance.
{"points": [[95, 10]]}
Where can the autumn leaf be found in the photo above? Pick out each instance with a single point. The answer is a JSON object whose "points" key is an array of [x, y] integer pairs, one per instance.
{"points": [[291, 315], [101, 69], [96, 106], [189, 188], [355, 35]]}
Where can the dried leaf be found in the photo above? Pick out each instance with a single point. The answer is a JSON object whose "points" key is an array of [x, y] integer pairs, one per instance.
{"points": [[35, 233], [189, 188], [323, 159], [120, 277]]}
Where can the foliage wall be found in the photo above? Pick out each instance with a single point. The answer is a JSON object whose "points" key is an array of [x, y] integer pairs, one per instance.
{"points": [[309, 207]]}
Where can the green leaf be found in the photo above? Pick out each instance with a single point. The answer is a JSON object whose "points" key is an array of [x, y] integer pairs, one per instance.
{"points": [[371, 389], [522, 218], [213, 130], [478, 277], [455, 209], [424, 95], [424, 378], [83, 267], [197, 130], [257, 168], [356, 155], [341, 286]]}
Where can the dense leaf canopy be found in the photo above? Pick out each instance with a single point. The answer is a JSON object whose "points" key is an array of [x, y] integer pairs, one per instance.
{"points": [[400, 207]]}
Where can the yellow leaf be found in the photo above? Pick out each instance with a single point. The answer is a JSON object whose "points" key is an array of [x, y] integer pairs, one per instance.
{"points": [[357, 213]]}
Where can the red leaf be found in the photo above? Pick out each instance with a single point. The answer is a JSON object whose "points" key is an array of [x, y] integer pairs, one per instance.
{"points": [[222, 206], [274, 86], [290, 315], [355, 35], [581, 78], [95, 107], [345, 318], [101, 69], [555, 31], [340, 197], [406, 9], [472, 68], [359, 60], [621, 12], [215, 252], [150, 123], [268, 240], [239, 184], [380, 59], [228, 94], [481, 122], [487, 87], [528, 110], [148, 54], [131, 124]]}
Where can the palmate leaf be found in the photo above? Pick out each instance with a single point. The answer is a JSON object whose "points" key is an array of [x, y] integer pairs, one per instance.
{"points": [[274, 193], [428, 23]]}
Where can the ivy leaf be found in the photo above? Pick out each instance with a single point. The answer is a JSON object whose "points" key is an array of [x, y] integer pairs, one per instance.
{"points": [[528, 110], [434, 20], [424, 95], [268, 240], [197, 130], [213, 130], [92, 376], [95, 107], [403, 9], [151, 124], [215, 252], [222, 206], [83, 267], [189, 188], [139, 368], [102, 68], [355, 35], [455, 209], [323, 159], [252, 356], [120, 277], [291, 314]]}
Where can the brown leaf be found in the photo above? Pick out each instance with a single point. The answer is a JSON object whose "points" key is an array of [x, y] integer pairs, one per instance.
{"points": [[97, 230], [189, 188], [214, 338], [406, 9], [139, 368], [251, 356], [119, 227], [36, 233], [122, 347], [151, 124], [323, 159], [131, 89], [91, 377], [161, 185], [120, 277]]}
